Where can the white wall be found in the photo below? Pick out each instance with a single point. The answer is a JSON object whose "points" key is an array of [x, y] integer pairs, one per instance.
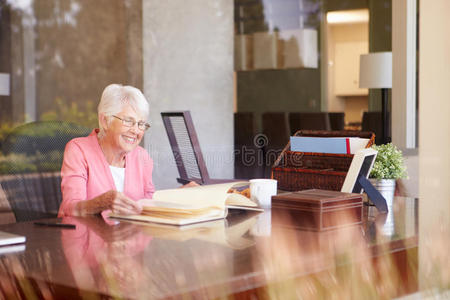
{"points": [[434, 141], [188, 65], [404, 27], [353, 36]]}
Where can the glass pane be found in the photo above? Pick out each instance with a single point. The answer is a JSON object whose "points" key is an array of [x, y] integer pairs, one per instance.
{"points": [[56, 57], [298, 60]]}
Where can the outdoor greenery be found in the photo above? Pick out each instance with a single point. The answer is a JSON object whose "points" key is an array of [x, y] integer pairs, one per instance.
{"points": [[389, 163], [21, 163], [39, 146], [5, 130], [72, 113], [86, 115]]}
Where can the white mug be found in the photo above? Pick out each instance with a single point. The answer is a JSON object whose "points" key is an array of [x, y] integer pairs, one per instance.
{"points": [[262, 190]]}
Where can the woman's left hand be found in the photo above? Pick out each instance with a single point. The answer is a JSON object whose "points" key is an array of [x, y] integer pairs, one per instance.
{"points": [[190, 184]]}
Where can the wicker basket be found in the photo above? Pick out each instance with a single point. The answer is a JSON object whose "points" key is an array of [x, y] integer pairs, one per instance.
{"points": [[297, 171]]}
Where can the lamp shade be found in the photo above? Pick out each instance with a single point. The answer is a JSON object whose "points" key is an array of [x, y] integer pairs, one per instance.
{"points": [[375, 70]]}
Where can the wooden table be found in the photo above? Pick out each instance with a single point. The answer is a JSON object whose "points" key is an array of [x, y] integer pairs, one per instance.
{"points": [[245, 255]]}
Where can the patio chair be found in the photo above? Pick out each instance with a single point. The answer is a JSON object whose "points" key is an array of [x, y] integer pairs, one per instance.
{"points": [[32, 180]]}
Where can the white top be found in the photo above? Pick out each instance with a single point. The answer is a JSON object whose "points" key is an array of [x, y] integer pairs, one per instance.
{"points": [[118, 175]]}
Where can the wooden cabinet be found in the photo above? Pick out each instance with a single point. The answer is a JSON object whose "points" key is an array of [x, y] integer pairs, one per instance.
{"points": [[346, 68]]}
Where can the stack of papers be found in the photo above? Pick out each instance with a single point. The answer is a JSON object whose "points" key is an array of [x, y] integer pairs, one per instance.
{"points": [[336, 145], [10, 242], [7, 238]]}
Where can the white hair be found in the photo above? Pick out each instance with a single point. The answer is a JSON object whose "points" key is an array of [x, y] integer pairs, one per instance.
{"points": [[116, 96]]}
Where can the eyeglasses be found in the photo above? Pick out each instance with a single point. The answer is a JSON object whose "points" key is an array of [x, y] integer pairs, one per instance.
{"points": [[130, 123]]}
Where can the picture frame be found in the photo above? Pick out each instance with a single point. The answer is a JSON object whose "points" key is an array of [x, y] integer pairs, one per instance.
{"points": [[361, 165], [356, 180]]}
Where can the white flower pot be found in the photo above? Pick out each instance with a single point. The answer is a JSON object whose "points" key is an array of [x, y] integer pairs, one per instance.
{"points": [[386, 187]]}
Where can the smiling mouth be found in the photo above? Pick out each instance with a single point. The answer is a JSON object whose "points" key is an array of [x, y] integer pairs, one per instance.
{"points": [[129, 139]]}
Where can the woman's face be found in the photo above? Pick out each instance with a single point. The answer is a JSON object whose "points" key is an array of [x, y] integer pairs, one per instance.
{"points": [[121, 137]]}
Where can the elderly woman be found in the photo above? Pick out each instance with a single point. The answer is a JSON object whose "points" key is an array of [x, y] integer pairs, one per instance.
{"points": [[108, 170]]}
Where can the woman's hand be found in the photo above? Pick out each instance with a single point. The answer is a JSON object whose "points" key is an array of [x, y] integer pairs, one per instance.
{"points": [[190, 184], [121, 204], [116, 201]]}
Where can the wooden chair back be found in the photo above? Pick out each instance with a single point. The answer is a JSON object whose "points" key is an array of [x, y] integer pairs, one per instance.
{"points": [[308, 121], [246, 153], [337, 120], [276, 129], [372, 122], [185, 147]]}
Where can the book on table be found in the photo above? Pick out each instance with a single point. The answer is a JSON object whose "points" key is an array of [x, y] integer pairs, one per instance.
{"points": [[183, 206], [336, 145]]}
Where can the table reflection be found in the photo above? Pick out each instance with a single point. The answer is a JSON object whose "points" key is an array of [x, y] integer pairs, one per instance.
{"points": [[103, 255], [232, 232], [263, 224], [399, 223], [249, 254]]}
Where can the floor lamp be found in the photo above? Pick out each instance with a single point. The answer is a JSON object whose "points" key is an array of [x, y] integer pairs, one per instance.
{"points": [[375, 72]]}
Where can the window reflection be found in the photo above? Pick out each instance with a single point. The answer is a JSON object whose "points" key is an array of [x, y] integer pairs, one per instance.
{"points": [[274, 34], [55, 58], [290, 60], [59, 55]]}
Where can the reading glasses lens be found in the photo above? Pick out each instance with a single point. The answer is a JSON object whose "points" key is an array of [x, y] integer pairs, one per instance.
{"points": [[143, 126], [130, 123]]}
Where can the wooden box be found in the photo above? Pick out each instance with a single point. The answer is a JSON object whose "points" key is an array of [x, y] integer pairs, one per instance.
{"points": [[317, 209]]}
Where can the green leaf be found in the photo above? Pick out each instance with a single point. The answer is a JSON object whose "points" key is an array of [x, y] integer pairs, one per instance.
{"points": [[389, 163]]}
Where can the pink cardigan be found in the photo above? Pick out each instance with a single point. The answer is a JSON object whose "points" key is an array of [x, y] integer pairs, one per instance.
{"points": [[87, 248], [85, 173]]}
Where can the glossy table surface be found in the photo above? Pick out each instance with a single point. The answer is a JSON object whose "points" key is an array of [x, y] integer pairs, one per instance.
{"points": [[245, 252]]}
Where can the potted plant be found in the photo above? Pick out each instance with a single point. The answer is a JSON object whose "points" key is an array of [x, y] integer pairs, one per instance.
{"points": [[388, 167]]}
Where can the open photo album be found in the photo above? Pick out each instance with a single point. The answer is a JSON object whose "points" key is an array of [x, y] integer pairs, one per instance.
{"points": [[183, 206]]}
